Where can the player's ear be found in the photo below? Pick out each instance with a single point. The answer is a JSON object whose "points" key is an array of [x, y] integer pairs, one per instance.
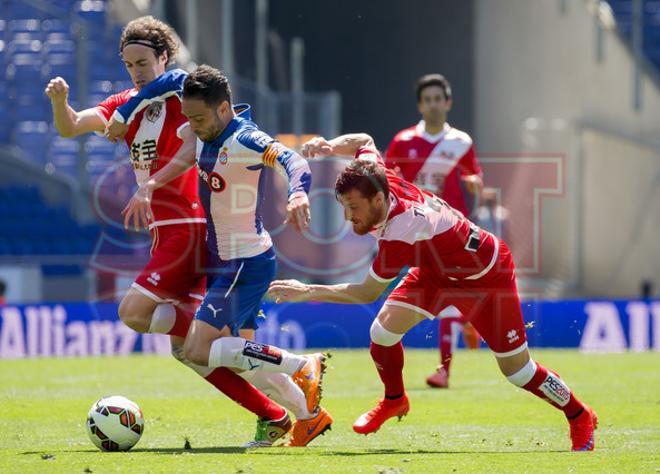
{"points": [[449, 104]]}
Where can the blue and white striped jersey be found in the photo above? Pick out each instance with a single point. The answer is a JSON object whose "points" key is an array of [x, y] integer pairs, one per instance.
{"points": [[232, 169]]}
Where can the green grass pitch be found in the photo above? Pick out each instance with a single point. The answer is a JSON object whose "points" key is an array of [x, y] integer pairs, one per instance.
{"points": [[481, 424]]}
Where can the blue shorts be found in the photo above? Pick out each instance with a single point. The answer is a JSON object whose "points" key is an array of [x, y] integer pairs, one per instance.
{"points": [[234, 291]]}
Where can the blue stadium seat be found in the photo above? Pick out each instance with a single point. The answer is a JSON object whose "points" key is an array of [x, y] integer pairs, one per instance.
{"points": [[27, 29], [23, 46], [102, 87], [56, 29], [57, 46], [64, 154], [93, 11], [18, 9], [33, 139], [31, 108]]}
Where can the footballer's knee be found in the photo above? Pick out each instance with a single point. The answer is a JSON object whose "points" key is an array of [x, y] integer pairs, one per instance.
{"points": [[196, 353], [135, 314], [381, 336], [515, 365]]}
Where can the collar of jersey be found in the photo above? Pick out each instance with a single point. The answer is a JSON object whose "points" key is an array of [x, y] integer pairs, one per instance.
{"points": [[380, 229], [243, 112], [421, 131]]}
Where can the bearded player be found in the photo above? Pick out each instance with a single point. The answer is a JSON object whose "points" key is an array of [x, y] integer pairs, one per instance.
{"points": [[440, 159], [451, 262]]}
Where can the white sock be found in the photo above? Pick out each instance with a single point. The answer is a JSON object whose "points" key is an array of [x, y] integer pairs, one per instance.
{"points": [[242, 354], [281, 389], [162, 319], [177, 353]]}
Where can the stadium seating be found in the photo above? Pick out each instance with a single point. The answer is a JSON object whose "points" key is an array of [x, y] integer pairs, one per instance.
{"points": [[31, 227], [34, 47]]}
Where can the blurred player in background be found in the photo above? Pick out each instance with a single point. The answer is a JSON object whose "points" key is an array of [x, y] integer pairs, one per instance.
{"points": [[233, 156], [451, 261], [165, 295], [440, 159]]}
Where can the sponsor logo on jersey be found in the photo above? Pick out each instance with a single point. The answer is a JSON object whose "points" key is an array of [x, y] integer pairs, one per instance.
{"points": [[213, 180], [153, 111], [412, 153], [222, 156]]}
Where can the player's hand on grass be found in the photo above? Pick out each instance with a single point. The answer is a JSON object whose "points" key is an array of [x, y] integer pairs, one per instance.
{"points": [[287, 291], [138, 209], [317, 146], [115, 130], [57, 90], [297, 212]]}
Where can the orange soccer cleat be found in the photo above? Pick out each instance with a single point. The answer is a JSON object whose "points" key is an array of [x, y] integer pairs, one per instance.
{"points": [[582, 430], [310, 379], [304, 431], [371, 421]]}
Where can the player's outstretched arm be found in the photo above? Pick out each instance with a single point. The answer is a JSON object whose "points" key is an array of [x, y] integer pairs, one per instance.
{"points": [[348, 293], [159, 89], [343, 145], [68, 122], [138, 209]]}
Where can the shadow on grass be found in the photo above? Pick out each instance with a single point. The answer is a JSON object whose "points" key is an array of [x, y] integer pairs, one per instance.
{"points": [[318, 451]]}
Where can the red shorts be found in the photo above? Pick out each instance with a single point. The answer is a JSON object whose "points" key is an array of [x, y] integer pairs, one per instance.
{"points": [[490, 303], [175, 273]]}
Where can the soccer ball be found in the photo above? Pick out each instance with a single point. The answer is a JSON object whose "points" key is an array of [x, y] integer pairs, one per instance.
{"points": [[115, 424]]}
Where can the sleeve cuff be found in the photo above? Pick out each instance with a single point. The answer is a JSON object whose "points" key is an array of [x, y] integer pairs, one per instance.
{"points": [[181, 128], [297, 194], [118, 117], [379, 278]]}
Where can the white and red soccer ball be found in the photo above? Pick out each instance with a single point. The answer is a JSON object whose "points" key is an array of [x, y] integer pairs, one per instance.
{"points": [[115, 424]]}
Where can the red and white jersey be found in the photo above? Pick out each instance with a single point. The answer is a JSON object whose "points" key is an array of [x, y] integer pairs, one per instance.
{"points": [[422, 230], [153, 138], [435, 163]]}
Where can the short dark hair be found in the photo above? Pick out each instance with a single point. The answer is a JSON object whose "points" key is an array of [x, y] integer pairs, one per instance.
{"points": [[208, 84], [367, 177], [151, 32], [430, 80]]}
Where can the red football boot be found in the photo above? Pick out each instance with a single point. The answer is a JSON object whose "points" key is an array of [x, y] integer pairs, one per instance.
{"points": [[439, 379], [371, 421], [582, 430]]}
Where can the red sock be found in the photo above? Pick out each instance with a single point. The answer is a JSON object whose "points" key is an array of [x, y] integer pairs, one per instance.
{"points": [[548, 386], [243, 392], [181, 323], [389, 363], [446, 336]]}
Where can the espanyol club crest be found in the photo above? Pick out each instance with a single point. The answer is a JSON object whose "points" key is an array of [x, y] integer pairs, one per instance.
{"points": [[153, 111], [222, 156]]}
